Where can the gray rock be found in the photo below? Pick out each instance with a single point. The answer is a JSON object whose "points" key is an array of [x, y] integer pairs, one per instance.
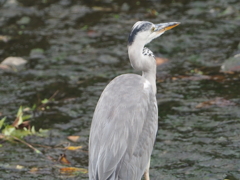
{"points": [[14, 61], [24, 20], [37, 53], [232, 64]]}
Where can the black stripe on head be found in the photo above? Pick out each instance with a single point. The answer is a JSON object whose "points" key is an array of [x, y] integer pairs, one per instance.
{"points": [[142, 26]]}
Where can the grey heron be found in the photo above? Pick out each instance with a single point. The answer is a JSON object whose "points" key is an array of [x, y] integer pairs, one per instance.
{"points": [[125, 121]]}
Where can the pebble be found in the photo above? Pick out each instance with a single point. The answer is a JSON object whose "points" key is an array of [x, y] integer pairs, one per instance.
{"points": [[12, 63]]}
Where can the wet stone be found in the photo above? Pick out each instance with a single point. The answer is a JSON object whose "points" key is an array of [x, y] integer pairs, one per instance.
{"points": [[232, 64], [24, 20], [14, 61], [37, 53]]}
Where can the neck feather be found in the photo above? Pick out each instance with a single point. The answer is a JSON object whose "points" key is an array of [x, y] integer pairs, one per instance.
{"points": [[144, 63]]}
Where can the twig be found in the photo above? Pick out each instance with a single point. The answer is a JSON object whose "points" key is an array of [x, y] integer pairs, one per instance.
{"points": [[42, 105], [29, 145], [56, 92]]}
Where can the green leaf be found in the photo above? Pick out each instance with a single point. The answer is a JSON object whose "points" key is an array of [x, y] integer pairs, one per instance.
{"points": [[8, 130], [20, 121], [20, 111], [33, 130], [85, 27], [34, 107], [45, 101], [116, 16], [2, 122], [42, 132], [37, 151], [19, 115], [20, 133], [26, 117]]}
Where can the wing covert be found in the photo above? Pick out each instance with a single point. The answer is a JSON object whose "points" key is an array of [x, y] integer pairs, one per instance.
{"points": [[118, 123]]}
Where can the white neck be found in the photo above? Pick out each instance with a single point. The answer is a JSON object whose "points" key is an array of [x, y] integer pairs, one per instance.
{"points": [[146, 64]]}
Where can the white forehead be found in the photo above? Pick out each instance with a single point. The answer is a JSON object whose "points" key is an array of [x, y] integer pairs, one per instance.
{"points": [[140, 23], [137, 24]]}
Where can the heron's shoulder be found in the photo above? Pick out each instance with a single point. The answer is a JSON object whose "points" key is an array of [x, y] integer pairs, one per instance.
{"points": [[130, 82], [129, 78]]}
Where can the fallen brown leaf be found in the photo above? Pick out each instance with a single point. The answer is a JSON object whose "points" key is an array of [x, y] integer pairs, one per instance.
{"points": [[2, 136], [92, 33], [5, 67], [152, 13], [218, 101], [25, 124], [72, 170], [73, 148], [160, 61], [73, 138], [63, 159], [4, 38], [192, 78], [19, 167], [34, 170]]}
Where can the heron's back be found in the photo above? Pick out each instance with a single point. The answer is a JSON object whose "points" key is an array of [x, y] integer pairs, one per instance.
{"points": [[123, 130]]}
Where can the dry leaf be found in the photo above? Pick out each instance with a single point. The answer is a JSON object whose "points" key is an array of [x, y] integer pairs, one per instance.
{"points": [[160, 61], [73, 138], [5, 67], [72, 170], [63, 159], [33, 170], [19, 167], [152, 13], [192, 78], [73, 148], [16, 122], [2, 136], [93, 34], [25, 124], [219, 78], [102, 9], [4, 38], [218, 101]]}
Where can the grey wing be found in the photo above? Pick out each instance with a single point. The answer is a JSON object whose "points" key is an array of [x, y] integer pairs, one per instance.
{"points": [[123, 129]]}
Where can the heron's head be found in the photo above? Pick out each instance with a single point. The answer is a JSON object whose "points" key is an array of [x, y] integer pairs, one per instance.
{"points": [[144, 32]]}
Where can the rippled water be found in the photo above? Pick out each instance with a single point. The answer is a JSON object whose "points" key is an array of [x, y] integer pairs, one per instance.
{"points": [[75, 48]]}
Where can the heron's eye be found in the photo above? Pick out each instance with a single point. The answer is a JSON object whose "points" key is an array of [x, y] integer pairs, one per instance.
{"points": [[153, 29]]}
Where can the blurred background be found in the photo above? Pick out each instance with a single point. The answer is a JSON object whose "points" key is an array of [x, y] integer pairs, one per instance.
{"points": [[56, 57]]}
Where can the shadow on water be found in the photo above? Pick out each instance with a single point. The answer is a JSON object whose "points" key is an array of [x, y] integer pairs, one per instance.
{"points": [[74, 48]]}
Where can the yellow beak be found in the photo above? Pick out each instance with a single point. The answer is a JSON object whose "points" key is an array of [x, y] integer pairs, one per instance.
{"points": [[165, 26]]}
